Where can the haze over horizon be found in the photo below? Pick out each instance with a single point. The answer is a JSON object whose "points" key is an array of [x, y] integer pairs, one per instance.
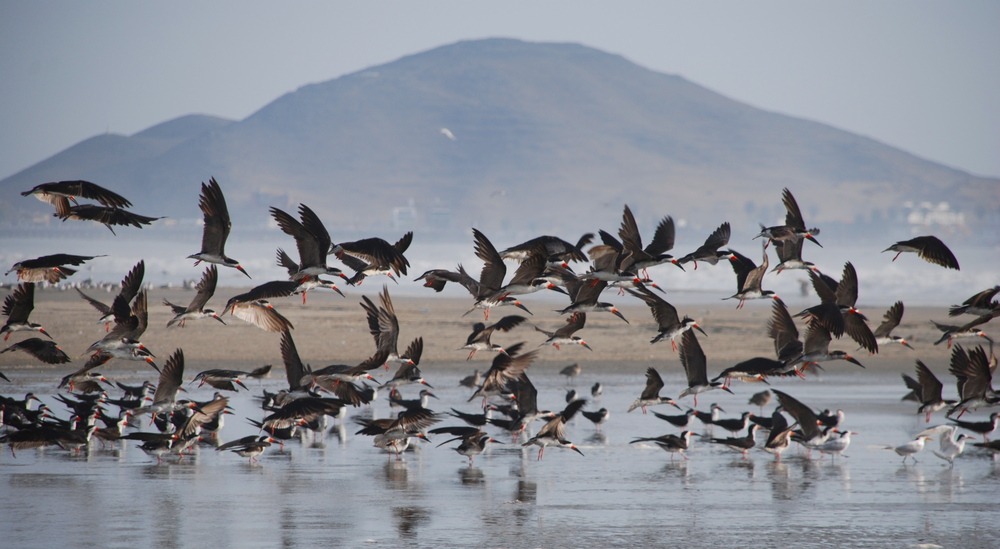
{"points": [[914, 75]]}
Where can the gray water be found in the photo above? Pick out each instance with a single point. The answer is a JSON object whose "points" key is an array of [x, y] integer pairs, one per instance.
{"points": [[336, 489]]}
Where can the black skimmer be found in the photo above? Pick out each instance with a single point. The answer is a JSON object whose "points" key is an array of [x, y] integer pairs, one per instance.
{"points": [[48, 268], [914, 386], [384, 327], [909, 449], [739, 444], [393, 434], [829, 419], [781, 328], [301, 411], [669, 324], [682, 421], [794, 227], [651, 393], [479, 339], [130, 287], [311, 239], [196, 309], [249, 447], [585, 295], [564, 335], [749, 278], [306, 282], [992, 446], [754, 370], [675, 444], [473, 440], [929, 393], [571, 395], [929, 248], [553, 433], [979, 304], [970, 329], [130, 323], [790, 257], [506, 367], [553, 246], [810, 435], [221, 379], [836, 312], [170, 381], [71, 190], [254, 308], [709, 251], [883, 333], [734, 425], [816, 348], [638, 258], [396, 399], [475, 420], [532, 276], [980, 427], [201, 414], [374, 256], [597, 418], [44, 350], [695, 366], [108, 216], [779, 439], [17, 308], [974, 374], [596, 389], [217, 227], [339, 378], [408, 372], [84, 374]]}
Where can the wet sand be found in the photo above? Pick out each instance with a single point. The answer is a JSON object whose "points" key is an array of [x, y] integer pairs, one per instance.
{"points": [[335, 488]]}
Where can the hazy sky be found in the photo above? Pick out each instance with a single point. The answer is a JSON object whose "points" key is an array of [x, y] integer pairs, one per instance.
{"points": [[919, 75]]}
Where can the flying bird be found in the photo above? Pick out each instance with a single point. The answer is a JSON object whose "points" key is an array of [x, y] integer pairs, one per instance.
{"points": [[217, 227], [928, 248]]}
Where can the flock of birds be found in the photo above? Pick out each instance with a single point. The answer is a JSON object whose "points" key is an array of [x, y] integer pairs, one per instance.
{"points": [[507, 397]]}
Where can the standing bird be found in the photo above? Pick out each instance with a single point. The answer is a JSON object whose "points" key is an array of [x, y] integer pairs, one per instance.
{"points": [[836, 446], [760, 399], [597, 418], [651, 394], [564, 335], [17, 308], [571, 371], [709, 251], [883, 334], [48, 268], [928, 248], [669, 324], [695, 366], [981, 427], [740, 444], [553, 433], [909, 449], [217, 227], [779, 439], [196, 309], [749, 278]]}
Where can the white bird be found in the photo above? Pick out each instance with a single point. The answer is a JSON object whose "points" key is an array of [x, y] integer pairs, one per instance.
{"points": [[447, 133], [950, 446], [910, 448]]}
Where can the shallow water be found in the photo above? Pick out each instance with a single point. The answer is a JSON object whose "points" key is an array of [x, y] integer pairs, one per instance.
{"points": [[336, 489]]}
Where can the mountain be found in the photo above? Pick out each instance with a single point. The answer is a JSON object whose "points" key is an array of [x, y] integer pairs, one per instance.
{"points": [[523, 138]]}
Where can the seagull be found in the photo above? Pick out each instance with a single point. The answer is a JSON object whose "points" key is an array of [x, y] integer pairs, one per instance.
{"points": [[217, 227], [196, 309], [908, 449], [950, 445]]}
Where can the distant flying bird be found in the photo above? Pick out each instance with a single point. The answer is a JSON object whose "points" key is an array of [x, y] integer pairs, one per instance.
{"points": [[929, 248], [447, 133], [48, 268], [217, 227]]}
